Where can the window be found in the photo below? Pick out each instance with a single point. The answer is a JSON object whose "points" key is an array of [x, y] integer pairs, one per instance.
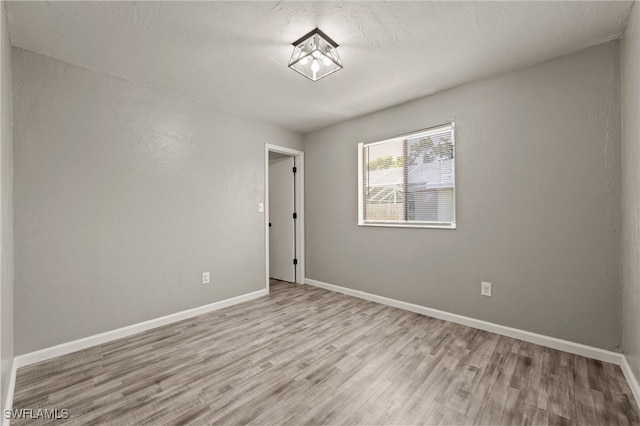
{"points": [[408, 180]]}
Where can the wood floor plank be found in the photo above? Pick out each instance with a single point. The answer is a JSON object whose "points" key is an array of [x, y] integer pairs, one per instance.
{"points": [[303, 355]]}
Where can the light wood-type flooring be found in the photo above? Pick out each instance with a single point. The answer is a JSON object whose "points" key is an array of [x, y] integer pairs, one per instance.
{"points": [[303, 355]]}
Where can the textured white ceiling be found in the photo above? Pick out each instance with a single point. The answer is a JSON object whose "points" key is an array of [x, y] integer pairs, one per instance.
{"points": [[234, 55]]}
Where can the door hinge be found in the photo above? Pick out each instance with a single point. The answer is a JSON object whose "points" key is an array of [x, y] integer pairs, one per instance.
{"points": [[295, 215], [295, 261], [295, 170]]}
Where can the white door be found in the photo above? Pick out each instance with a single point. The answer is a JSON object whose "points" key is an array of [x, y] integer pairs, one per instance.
{"points": [[282, 224]]}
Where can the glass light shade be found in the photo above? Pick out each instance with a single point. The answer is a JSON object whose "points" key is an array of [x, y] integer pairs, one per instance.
{"points": [[315, 56]]}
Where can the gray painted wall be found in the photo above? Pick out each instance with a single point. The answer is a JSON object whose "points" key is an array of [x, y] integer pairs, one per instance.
{"points": [[630, 72], [124, 195], [6, 212], [538, 203]]}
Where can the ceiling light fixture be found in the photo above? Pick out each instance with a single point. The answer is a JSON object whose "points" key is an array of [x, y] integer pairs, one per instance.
{"points": [[315, 55]]}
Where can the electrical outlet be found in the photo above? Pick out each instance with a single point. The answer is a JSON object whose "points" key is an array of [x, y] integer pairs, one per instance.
{"points": [[205, 278], [485, 289]]}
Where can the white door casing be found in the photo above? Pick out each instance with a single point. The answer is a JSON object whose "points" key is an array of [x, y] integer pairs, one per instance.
{"points": [[299, 199], [282, 229]]}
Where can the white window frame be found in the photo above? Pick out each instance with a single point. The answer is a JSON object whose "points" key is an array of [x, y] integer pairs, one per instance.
{"points": [[408, 224]]}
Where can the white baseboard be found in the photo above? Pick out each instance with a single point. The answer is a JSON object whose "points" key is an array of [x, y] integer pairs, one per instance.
{"points": [[539, 339], [631, 379], [98, 339], [8, 399]]}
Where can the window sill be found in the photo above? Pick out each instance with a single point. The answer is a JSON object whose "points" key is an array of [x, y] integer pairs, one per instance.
{"points": [[410, 225]]}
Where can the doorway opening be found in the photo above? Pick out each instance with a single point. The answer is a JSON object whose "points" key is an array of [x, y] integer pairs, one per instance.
{"points": [[284, 214]]}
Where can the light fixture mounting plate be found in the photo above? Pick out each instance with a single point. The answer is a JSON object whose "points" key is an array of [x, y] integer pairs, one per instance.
{"points": [[312, 32]]}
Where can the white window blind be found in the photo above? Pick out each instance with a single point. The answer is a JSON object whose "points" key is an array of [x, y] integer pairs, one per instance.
{"points": [[408, 180]]}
